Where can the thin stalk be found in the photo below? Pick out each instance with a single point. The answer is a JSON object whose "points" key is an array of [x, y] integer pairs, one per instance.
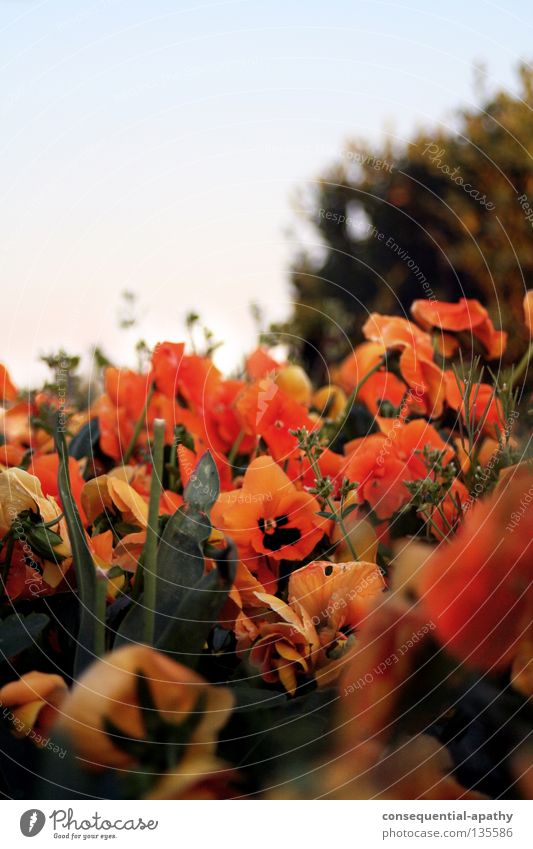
{"points": [[331, 506], [100, 610], [82, 559], [522, 365], [138, 426], [173, 462], [149, 554], [235, 447]]}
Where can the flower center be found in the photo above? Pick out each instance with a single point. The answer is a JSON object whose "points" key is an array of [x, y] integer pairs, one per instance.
{"points": [[276, 534]]}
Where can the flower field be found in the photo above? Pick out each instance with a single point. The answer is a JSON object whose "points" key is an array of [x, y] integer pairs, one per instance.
{"points": [[257, 587]]}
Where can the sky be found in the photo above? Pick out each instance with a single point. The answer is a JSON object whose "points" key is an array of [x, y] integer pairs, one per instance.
{"points": [[157, 146]]}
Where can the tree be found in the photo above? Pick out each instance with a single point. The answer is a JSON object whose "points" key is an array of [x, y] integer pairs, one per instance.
{"points": [[446, 215]]}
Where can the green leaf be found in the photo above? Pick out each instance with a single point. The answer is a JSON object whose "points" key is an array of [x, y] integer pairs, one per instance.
{"points": [[198, 609], [180, 565], [204, 485], [187, 602], [82, 560], [18, 633], [43, 541]]}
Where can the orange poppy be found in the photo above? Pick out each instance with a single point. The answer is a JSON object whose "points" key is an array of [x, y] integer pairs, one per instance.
{"points": [[8, 390], [46, 466], [381, 386], [381, 463], [260, 364], [380, 474], [166, 361], [477, 588], [326, 602], [20, 491], [222, 422], [269, 515], [417, 366], [380, 666], [266, 410], [119, 408], [466, 314], [11, 455]]}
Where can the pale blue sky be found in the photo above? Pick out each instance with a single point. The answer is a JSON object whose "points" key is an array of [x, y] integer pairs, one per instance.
{"points": [[156, 145]]}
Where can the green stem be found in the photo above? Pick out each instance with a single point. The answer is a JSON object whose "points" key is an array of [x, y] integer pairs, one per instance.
{"points": [[235, 447], [81, 557], [173, 462], [138, 426], [100, 610], [331, 506], [522, 365], [149, 554]]}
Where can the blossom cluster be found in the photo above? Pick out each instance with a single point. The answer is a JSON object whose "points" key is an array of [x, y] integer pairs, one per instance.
{"points": [[189, 547]]}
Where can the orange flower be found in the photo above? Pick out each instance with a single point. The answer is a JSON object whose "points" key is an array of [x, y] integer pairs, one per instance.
{"points": [[33, 701], [396, 333], [266, 410], [381, 386], [8, 390], [285, 643], [477, 588], [189, 376], [222, 422], [260, 364], [20, 491], [380, 666], [108, 690], [466, 314], [268, 515], [11, 455], [101, 547], [380, 474], [335, 595], [417, 367], [109, 492], [15, 424], [46, 466], [382, 462], [119, 409], [327, 601], [167, 358]]}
